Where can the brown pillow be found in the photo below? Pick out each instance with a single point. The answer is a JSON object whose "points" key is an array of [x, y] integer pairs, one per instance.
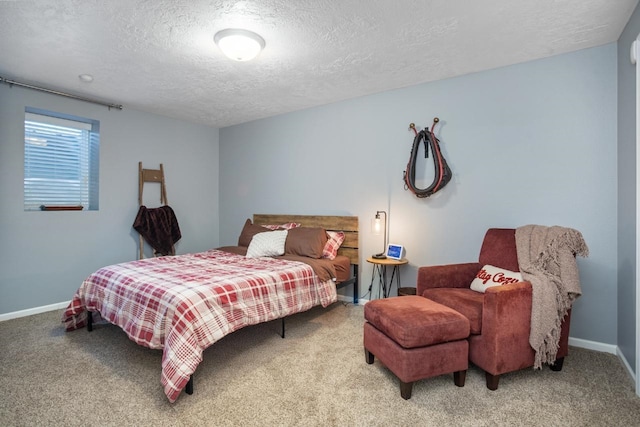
{"points": [[306, 241], [248, 231]]}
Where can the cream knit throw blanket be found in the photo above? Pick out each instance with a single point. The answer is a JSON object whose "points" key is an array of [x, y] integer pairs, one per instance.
{"points": [[546, 256]]}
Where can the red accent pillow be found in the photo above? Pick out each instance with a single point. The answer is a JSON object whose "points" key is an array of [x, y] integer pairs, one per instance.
{"points": [[335, 239], [286, 226]]}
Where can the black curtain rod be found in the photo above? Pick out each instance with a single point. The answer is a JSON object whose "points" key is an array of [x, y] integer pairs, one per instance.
{"points": [[55, 92]]}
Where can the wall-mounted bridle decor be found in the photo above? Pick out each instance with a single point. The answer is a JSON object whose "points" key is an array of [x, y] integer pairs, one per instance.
{"points": [[442, 172]]}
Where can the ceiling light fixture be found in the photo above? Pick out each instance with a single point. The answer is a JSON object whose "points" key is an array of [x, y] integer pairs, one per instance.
{"points": [[87, 78], [239, 45]]}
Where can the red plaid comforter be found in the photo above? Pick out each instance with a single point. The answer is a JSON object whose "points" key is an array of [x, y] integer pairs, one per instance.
{"points": [[183, 304]]}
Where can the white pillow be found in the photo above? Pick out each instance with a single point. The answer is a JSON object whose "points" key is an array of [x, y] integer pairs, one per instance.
{"points": [[493, 276], [269, 243]]}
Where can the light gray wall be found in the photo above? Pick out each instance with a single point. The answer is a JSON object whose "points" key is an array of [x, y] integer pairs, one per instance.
{"points": [[530, 143], [627, 191], [45, 256]]}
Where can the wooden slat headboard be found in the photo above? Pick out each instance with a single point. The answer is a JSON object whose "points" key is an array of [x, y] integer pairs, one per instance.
{"points": [[346, 224]]}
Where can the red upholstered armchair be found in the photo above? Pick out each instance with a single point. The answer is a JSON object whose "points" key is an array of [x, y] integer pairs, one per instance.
{"points": [[500, 318]]}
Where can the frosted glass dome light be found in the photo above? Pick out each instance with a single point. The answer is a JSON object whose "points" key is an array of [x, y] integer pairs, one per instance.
{"points": [[239, 45]]}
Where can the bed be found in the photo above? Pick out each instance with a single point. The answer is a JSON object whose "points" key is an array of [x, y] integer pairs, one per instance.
{"points": [[183, 304]]}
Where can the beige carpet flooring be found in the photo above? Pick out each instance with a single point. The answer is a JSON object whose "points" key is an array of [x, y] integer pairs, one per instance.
{"points": [[316, 376]]}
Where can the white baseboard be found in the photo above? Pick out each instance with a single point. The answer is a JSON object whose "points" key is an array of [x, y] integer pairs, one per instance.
{"points": [[32, 311], [593, 345], [626, 364], [64, 304], [606, 348]]}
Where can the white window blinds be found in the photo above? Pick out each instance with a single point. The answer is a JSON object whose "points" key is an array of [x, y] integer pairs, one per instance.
{"points": [[61, 161]]}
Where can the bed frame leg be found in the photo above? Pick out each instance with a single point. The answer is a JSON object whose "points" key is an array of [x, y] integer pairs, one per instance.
{"points": [[355, 284], [189, 387], [282, 330], [89, 321]]}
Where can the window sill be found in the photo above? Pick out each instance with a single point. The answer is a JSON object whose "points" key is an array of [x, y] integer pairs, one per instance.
{"points": [[60, 208]]}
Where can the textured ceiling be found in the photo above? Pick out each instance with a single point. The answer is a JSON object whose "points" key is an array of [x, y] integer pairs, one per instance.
{"points": [[159, 56]]}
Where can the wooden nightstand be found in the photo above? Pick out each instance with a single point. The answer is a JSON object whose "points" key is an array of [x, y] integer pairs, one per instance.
{"points": [[380, 271]]}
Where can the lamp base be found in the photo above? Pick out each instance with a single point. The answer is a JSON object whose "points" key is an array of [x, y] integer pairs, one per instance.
{"points": [[379, 256]]}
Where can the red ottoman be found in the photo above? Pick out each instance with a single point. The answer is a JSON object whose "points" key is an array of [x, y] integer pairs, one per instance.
{"points": [[416, 338]]}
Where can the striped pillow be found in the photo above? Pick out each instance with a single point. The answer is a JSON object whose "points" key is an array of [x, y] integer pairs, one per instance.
{"points": [[269, 243]]}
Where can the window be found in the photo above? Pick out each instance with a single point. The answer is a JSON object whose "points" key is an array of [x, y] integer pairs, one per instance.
{"points": [[61, 161]]}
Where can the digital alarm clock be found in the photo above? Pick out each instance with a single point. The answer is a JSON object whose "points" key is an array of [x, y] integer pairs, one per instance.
{"points": [[395, 251]]}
